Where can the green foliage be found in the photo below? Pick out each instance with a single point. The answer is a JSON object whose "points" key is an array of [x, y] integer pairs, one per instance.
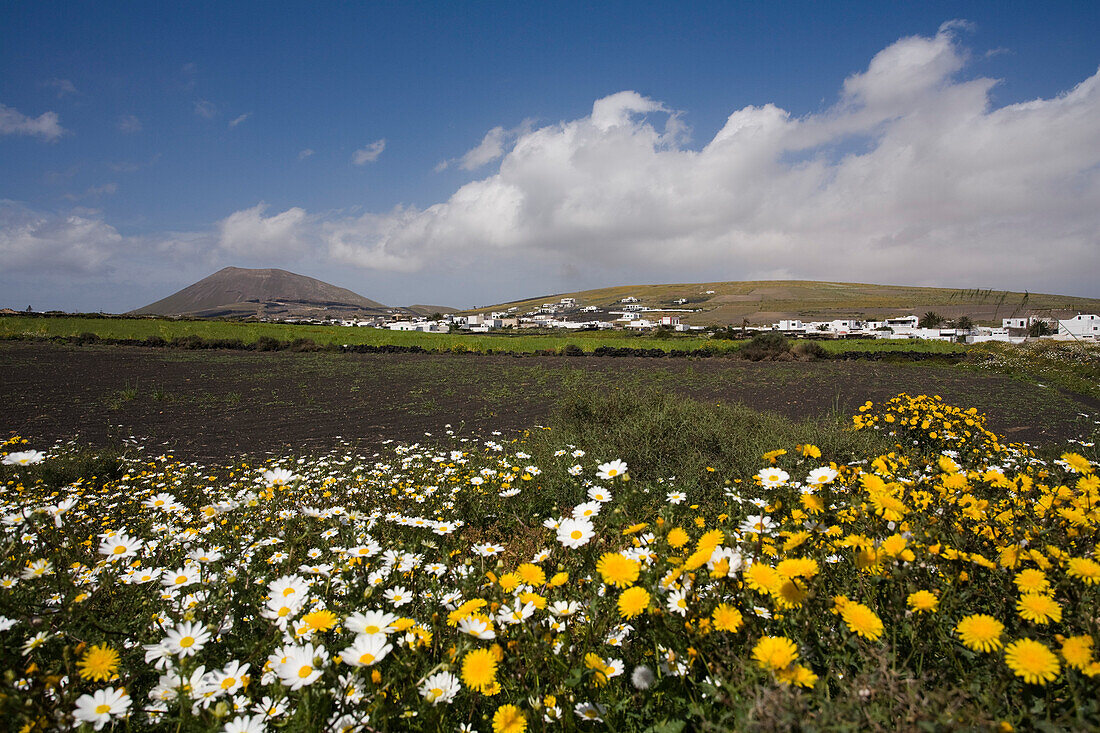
{"points": [[767, 345], [931, 319]]}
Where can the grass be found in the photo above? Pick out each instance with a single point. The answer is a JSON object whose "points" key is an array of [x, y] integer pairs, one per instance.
{"points": [[1071, 366], [141, 329]]}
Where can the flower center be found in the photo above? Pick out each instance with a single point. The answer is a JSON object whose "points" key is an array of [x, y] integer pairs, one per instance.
{"points": [[367, 658], [305, 671], [187, 641], [372, 629], [576, 534], [102, 709]]}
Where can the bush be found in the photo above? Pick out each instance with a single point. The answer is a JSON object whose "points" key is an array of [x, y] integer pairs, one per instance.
{"points": [[809, 350], [266, 343], [764, 346]]}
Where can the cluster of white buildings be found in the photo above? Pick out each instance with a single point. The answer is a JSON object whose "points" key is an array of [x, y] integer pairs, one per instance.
{"points": [[630, 314], [1012, 330]]}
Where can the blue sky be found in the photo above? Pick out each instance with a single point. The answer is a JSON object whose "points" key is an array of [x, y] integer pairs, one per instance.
{"points": [[145, 145]]}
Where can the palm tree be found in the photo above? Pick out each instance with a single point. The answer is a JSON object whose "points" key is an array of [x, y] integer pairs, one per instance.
{"points": [[931, 319]]}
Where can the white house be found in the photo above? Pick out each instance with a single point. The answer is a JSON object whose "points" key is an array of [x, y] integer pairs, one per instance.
{"points": [[1080, 326], [670, 320], [629, 299]]}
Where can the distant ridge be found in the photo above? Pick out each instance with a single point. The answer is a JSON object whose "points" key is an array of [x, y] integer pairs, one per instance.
{"points": [[767, 301], [237, 292]]}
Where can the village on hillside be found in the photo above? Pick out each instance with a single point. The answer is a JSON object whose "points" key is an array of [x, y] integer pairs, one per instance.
{"points": [[631, 314]]}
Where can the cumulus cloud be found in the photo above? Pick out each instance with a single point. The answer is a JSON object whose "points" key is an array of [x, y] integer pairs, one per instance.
{"points": [[370, 153], [78, 242], [911, 176], [46, 126], [249, 233], [492, 147]]}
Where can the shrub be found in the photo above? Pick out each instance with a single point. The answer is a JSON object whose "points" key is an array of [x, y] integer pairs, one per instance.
{"points": [[764, 346], [809, 350]]}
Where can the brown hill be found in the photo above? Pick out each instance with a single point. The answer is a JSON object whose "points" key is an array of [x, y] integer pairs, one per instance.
{"points": [[761, 302], [237, 292]]}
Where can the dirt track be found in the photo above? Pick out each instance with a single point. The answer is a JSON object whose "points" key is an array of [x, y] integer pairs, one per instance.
{"points": [[215, 404]]}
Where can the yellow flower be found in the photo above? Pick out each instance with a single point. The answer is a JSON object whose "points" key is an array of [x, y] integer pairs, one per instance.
{"points": [[466, 609], [1077, 462], [727, 618], [508, 582], [775, 652], [861, 620], [633, 602], [923, 601], [710, 540], [1031, 580], [531, 574], [99, 663], [603, 669], [797, 675], [1032, 661], [677, 537], [798, 567], [509, 719], [321, 620], [1077, 651], [809, 450], [1084, 569], [980, 632], [479, 670], [635, 528], [618, 570], [559, 579], [763, 578], [1039, 608], [771, 455]]}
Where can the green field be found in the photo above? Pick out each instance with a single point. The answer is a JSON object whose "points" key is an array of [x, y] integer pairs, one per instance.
{"points": [[139, 329]]}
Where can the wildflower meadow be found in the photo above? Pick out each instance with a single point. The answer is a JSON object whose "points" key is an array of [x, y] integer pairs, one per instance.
{"points": [[513, 583]]}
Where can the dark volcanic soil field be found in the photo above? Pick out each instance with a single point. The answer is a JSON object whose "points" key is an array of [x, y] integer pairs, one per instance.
{"points": [[218, 404]]}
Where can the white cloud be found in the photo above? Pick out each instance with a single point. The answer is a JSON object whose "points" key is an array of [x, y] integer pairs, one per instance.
{"points": [[205, 108], [249, 233], [45, 126], [238, 120], [370, 153], [78, 242], [492, 147], [129, 124], [911, 176], [305, 153]]}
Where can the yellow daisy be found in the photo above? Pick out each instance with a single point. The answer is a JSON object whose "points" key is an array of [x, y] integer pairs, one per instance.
{"points": [[1032, 661], [980, 632]]}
